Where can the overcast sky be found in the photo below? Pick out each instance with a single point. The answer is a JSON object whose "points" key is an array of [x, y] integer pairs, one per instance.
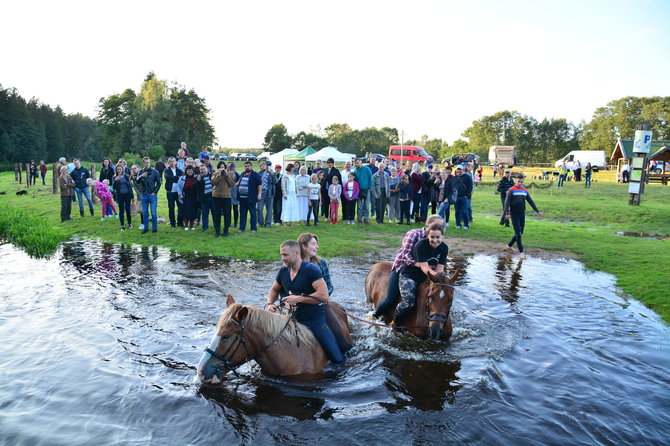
{"points": [[424, 67]]}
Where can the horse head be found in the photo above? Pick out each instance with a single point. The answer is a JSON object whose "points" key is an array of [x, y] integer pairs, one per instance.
{"points": [[440, 295], [228, 349]]}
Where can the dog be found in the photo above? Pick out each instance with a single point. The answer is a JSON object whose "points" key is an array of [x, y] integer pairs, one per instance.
{"points": [[3, 193], [22, 192]]}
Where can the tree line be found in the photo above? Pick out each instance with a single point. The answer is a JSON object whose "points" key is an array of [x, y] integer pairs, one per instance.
{"points": [[156, 119]]}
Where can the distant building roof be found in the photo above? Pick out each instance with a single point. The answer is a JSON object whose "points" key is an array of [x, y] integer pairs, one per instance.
{"points": [[624, 148]]}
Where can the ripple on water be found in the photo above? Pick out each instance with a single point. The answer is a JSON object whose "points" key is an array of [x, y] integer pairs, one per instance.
{"points": [[542, 350]]}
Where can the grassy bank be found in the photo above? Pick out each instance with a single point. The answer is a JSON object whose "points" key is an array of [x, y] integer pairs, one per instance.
{"points": [[583, 222]]}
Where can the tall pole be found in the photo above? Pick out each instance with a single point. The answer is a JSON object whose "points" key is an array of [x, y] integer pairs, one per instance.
{"points": [[402, 140], [641, 147]]}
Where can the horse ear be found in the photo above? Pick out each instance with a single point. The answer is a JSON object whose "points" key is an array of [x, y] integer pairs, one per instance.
{"points": [[454, 276], [230, 300], [433, 276], [241, 314]]}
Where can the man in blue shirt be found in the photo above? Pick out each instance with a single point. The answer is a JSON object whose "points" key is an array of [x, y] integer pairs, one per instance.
{"points": [[363, 175], [301, 285]]}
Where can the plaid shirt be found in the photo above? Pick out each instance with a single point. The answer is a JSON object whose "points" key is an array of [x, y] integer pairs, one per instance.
{"points": [[404, 255]]}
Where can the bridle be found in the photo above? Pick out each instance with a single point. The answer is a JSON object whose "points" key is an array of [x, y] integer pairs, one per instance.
{"points": [[238, 340], [439, 316]]}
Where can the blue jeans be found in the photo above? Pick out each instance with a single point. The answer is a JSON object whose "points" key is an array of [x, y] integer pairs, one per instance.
{"points": [[364, 205], [265, 203], [424, 204], [149, 199], [325, 336], [444, 211], [561, 180], [462, 211], [87, 193], [416, 204], [205, 206], [173, 199], [587, 179], [246, 207]]}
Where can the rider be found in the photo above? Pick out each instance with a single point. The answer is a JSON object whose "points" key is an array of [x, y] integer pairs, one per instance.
{"points": [[301, 285], [430, 254], [404, 257]]}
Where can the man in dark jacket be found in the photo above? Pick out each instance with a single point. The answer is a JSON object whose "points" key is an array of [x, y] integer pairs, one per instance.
{"points": [[150, 183], [172, 174], [268, 183], [249, 192], [80, 175], [330, 172], [503, 186], [463, 185], [276, 208]]}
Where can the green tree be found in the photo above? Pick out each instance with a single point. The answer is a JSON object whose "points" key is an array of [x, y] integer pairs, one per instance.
{"points": [[303, 139], [343, 137], [459, 146], [116, 118], [191, 119], [277, 139], [619, 118], [154, 115]]}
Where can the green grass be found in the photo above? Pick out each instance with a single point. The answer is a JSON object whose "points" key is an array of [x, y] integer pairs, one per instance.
{"points": [[579, 221]]}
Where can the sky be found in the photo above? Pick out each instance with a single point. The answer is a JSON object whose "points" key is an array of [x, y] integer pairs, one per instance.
{"points": [[423, 67]]}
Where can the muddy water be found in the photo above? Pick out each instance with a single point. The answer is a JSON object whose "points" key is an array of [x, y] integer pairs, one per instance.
{"points": [[99, 346]]}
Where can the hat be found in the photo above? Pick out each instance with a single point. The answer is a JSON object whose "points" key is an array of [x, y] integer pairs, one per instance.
{"points": [[278, 165], [430, 166], [268, 163], [459, 168], [507, 170]]}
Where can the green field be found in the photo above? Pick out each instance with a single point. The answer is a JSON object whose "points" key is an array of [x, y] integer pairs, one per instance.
{"points": [[584, 222]]}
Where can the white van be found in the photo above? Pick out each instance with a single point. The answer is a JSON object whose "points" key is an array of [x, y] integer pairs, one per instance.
{"points": [[595, 157]]}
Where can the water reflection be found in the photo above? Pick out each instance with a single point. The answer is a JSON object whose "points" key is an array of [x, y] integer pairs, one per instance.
{"points": [[121, 328]]}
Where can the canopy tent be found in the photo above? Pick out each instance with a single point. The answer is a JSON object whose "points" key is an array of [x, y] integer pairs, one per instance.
{"points": [[300, 156], [278, 158], [330, 152]]}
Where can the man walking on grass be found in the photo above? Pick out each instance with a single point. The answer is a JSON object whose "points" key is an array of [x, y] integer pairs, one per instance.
{"points": [[150, 183]]}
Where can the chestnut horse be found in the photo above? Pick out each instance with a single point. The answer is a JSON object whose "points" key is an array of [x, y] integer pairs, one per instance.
{"points": [[279, 345], [430, 318]]}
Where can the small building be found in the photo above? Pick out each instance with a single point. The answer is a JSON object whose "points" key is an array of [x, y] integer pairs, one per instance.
{"points": [[623, 153]]}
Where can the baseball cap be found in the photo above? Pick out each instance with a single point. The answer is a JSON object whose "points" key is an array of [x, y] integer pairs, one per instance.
{"points": [[430, 166], [268, 163], [278, 165], [507, 170], [459, 168]]}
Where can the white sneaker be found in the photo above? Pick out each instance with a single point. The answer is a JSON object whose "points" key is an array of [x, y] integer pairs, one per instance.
{"points": [[458, 227], [466, 227], [141, 227], [446, 225], [185, 229]]}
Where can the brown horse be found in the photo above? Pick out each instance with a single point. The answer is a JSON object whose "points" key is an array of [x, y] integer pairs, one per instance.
{"points": [[279, 345], [434, 297]]}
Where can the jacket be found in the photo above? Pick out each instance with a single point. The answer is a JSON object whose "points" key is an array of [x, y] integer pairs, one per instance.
{"points": [[272, 183], [222, 183], [79, 176], [254, 182], [150, 184], [329, 174], [301, 183], [354, 193], [376, 184], [504, 184], [463, 185], [171, 179], [364, 178], [107, 174], [66, 185], [515, 202]]}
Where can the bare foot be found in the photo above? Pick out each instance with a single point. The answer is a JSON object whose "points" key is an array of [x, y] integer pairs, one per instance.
{"points": [[522, 255]]}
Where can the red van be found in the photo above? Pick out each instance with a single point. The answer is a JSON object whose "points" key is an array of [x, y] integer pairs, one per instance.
{"points": [[409, 153]]}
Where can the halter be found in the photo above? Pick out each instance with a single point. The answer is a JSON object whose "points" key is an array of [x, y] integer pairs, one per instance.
{"points": [[235, 345], [438, 316]]}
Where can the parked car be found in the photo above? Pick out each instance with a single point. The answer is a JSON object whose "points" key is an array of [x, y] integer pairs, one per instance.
{"points": [[461, 158], [247, 157], [221, 157], [234, 156], [409, 153]]}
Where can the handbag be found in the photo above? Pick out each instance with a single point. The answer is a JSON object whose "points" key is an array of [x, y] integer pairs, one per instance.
{"points": [[135, 208]]}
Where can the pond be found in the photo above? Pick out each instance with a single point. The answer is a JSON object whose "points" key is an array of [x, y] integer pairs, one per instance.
{"points": [[100, 345]]}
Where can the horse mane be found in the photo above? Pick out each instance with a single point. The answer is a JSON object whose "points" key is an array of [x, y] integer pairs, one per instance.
{"points": [[273, 324]]}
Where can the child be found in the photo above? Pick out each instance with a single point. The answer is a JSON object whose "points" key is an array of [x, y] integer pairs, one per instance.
{"points": [[66, 184], [405, 194], [314, 195], [334, 192], [105, 196], [351, 191]]}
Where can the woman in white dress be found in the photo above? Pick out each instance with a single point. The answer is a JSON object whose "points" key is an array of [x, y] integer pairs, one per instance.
{"points": [[301, 185], [289, 211]]}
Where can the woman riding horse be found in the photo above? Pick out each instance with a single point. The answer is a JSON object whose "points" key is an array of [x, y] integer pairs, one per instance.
{"points": [[430, 255], [405, 256]]}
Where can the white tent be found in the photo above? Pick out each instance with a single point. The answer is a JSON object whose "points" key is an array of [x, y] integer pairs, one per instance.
{"points": [[330, 152], [278, 158]]}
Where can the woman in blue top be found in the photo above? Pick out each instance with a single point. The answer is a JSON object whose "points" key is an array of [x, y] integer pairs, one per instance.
{"points": [[309, 244]]}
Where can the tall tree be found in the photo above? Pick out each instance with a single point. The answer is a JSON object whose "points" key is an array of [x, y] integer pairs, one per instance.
{"points": [[191, 120], [303, 139], [154, 115], [116, 117], [277, 138]]}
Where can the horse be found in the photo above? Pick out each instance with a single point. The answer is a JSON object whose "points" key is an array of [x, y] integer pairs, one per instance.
{"points": [[279, 345], [430, 318]]}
